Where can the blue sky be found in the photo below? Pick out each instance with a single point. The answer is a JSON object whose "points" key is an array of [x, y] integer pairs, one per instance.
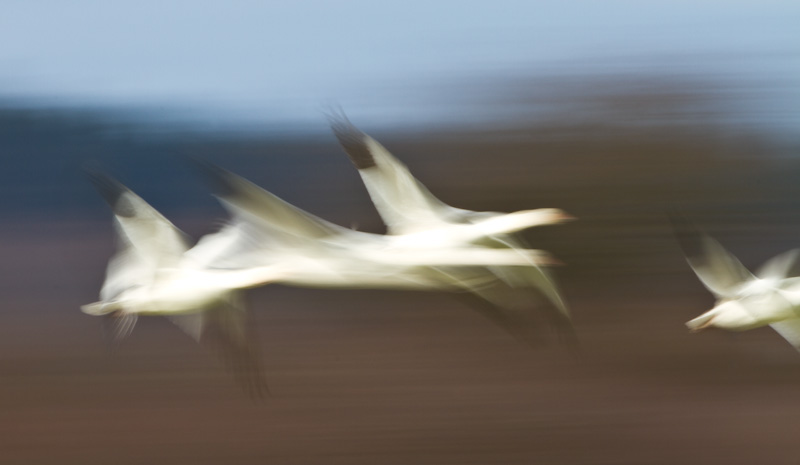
{"points": [[265, 61]]}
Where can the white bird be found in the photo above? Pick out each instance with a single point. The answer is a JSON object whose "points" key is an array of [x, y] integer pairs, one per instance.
{"points": [[312, 252], [407, 207], [155, 273], [308, 251], [745, 300]]}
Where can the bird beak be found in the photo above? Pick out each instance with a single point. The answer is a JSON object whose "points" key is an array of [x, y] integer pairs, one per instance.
{"points": [[700, 323], [564, 216]]}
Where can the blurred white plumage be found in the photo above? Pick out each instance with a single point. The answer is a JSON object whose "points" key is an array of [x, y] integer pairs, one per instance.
{"points": [[745, 301], [409, 209], [310, 251], [155, 273]]}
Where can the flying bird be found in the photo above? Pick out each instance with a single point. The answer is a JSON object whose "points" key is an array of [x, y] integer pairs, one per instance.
{"points": [[745, 300], [306, 250], [155, 272], [407, 206]]}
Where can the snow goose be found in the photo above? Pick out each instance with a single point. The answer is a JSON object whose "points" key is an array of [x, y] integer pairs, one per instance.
{"points": [[313, 252], [407, 206], [317, 253], [745, 300], [155, 273]]}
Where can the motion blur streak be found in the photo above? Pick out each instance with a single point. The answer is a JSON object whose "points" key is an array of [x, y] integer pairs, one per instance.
{"points": [[366, 377]]}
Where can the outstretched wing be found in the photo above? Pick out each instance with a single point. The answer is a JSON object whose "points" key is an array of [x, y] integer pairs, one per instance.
{"points": [[718, 270], [229, 330], [526, 277], [790, 330], [147, 240], [404, 204], [785, 265], [507, 306], [248, 203]]}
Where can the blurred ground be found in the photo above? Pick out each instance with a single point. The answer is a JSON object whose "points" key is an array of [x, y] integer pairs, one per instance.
{"points": [[368, 377]]}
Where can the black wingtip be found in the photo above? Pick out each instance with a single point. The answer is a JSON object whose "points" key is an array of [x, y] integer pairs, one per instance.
{"points": [[112, 191], [239, 352], [352, 140], [567, 334], [688, 235], [217, 179]]}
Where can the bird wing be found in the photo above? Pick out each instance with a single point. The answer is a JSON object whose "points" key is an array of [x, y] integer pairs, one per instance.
{"points": [[404, 204], [532, 277], [718, 270], [790, 330], [235, 246], [147, 241], [504, 305], [246, 202], [781, 266], [229, 330]]}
